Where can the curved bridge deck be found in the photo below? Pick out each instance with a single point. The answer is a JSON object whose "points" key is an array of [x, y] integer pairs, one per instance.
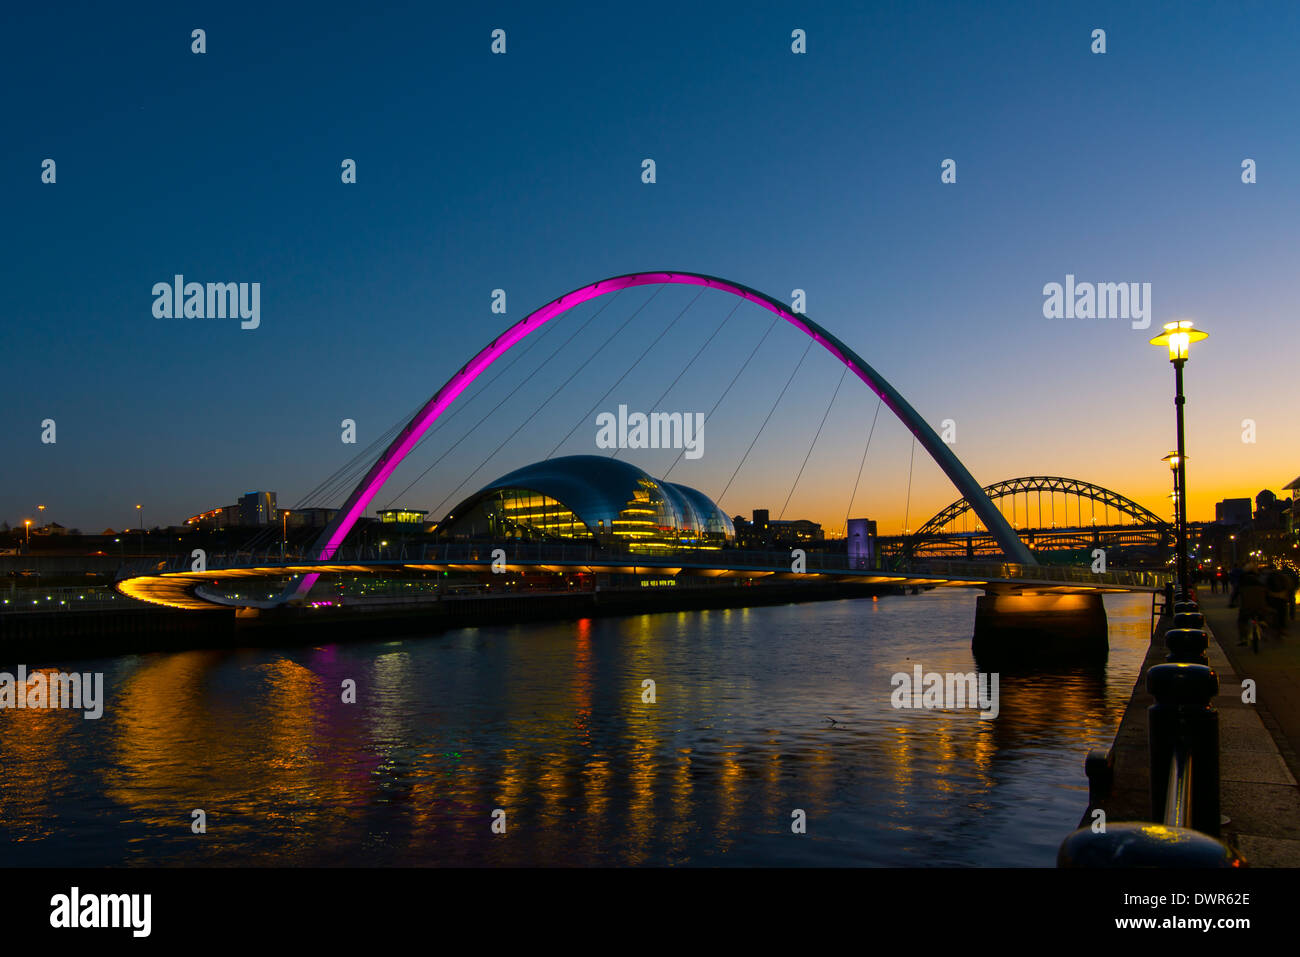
{"points": [[176, 584]]}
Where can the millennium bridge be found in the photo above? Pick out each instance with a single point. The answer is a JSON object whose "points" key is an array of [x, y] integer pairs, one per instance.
{"points": [[1018, 589]]}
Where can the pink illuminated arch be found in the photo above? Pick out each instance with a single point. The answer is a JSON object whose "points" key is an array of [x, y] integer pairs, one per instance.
{"points": [[337, 530]]}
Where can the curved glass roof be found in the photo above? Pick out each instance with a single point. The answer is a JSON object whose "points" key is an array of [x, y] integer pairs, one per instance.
{"points": [[710, 518], [616, 496]]}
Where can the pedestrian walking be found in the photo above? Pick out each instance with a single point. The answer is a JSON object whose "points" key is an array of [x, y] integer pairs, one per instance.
{"points": [[1234, 579], [1253, 601], [1279, 596]]}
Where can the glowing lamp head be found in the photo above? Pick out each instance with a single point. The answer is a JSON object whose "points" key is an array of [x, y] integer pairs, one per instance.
{"points": [[1173, 459], [1179, 336]]}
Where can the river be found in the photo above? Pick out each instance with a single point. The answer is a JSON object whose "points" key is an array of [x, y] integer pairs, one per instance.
{"points": [[545, 731]]}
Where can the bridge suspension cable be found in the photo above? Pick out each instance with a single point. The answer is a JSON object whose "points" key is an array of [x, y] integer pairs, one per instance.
{"points": [[637, 361], [734, 378], [504, 399], [558, 389], [797, 367], [698, 352], [813, 444], [442, 423], [907, 509], [343, 475], [348, 473], [849, 512], [340, 475], [482, 391]]}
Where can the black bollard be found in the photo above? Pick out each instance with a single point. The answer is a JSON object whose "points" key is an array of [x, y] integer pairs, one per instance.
{"points": [[1099, 767], [1189, 619], [1139, 844], [1187, 644], [1184, 718]]}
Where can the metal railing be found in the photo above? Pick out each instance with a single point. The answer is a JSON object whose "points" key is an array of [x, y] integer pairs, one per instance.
{"points": [[1068, 574], [62, 598], [731, 558], [1183, 749]]}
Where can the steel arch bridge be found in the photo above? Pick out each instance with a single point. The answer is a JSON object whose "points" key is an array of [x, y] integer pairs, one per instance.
{"points": [[935, 530], [1018, 570], [336, 532]]}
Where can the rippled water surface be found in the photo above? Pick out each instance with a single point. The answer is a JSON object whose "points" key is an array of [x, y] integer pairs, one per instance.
{"points": [[758, 712]]}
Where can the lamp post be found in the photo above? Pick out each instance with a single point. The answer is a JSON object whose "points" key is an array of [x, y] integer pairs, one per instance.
{"points": [[140, 509], [284, 533], [1178, 338], [27, 528], [1173, 458]]}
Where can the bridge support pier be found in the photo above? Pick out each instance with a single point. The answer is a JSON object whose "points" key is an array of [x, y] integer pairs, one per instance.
{"points": [[1031, 629]]}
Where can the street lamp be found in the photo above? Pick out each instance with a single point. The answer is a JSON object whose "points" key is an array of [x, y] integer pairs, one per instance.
{"points": [[1173, 458], [140, 509], [1178, 338], [284, 532], [27, 527]]}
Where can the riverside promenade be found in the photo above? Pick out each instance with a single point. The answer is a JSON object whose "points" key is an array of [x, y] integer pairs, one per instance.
{"points": [[1258, 779], [1258, 743]]}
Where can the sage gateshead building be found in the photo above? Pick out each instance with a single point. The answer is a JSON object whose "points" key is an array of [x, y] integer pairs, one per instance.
{"points": [[592, 498]]}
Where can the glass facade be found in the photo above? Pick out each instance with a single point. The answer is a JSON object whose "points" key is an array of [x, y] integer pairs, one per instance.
{"points": [[405, 516], [589, 497], [513, 514]]}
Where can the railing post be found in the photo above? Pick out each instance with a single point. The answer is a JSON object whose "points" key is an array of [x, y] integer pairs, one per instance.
{"points": [[1184, 717], [1187, 641]]}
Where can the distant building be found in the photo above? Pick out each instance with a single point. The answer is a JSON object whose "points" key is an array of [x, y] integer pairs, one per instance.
{"points": [[227, 516], [1271, 513], [1294, 488], [1232, 511], [252, 509], [310, 517], [403, 516], [862, 543], [257, 508], [796, 531], [765, 532]]}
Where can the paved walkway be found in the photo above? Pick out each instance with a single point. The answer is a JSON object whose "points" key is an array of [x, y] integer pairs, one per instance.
{"points": [[1258, 743]]}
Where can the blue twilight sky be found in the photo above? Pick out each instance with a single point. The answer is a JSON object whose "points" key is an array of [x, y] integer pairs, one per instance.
{"points": [[523, 172]]}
